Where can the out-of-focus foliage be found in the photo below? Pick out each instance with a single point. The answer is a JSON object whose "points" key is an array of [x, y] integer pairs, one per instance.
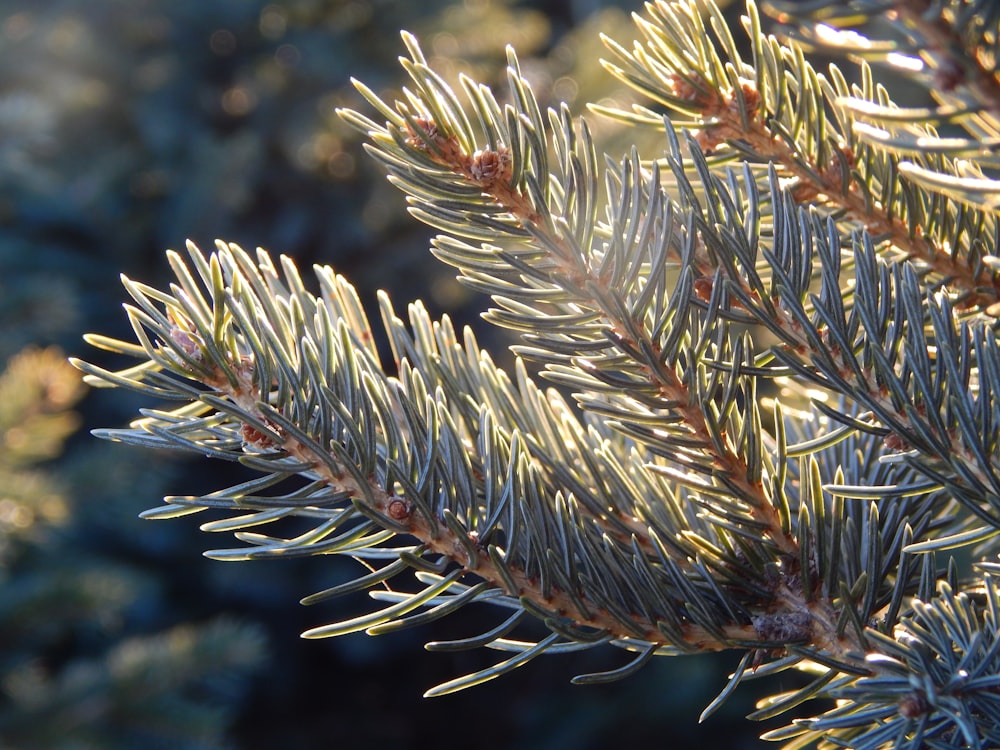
{"points": [[37, 391], [71, 672], [129, 126]]}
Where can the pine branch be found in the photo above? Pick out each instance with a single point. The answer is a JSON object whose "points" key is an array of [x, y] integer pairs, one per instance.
{"points": [[780, 110], [351, 483], [778, 424], [558, 257]]}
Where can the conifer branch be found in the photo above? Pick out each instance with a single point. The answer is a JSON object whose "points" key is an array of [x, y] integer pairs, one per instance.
{"points": [[490, 172], [249, 426], [658, 510], [753, 113]]}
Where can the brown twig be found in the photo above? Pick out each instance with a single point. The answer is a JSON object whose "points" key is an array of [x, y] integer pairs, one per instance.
{"points": [[726, 118]]}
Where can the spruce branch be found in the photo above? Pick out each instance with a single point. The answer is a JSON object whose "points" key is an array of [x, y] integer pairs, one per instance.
{"points": [[953, 44], [875, 350], [561, 272], [409, 443], [829, 339], [554, 561], [777, 429], [938, 682], [949, 48], [780, 110]]}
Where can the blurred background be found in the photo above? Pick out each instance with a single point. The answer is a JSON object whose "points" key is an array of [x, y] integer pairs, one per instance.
{"points": [[127, 127]]}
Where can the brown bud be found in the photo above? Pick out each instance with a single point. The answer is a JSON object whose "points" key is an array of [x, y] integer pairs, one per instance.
{"points": [[255, 438], [425, 133], [702, 288], [491, 167], [695, 91], [896, 442], [183, 337], [186, 343], [751, 98], [399, 509]]}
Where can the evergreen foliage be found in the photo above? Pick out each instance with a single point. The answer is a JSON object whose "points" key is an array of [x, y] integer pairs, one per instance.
{"points": [[62, 684], [772, 427]]}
